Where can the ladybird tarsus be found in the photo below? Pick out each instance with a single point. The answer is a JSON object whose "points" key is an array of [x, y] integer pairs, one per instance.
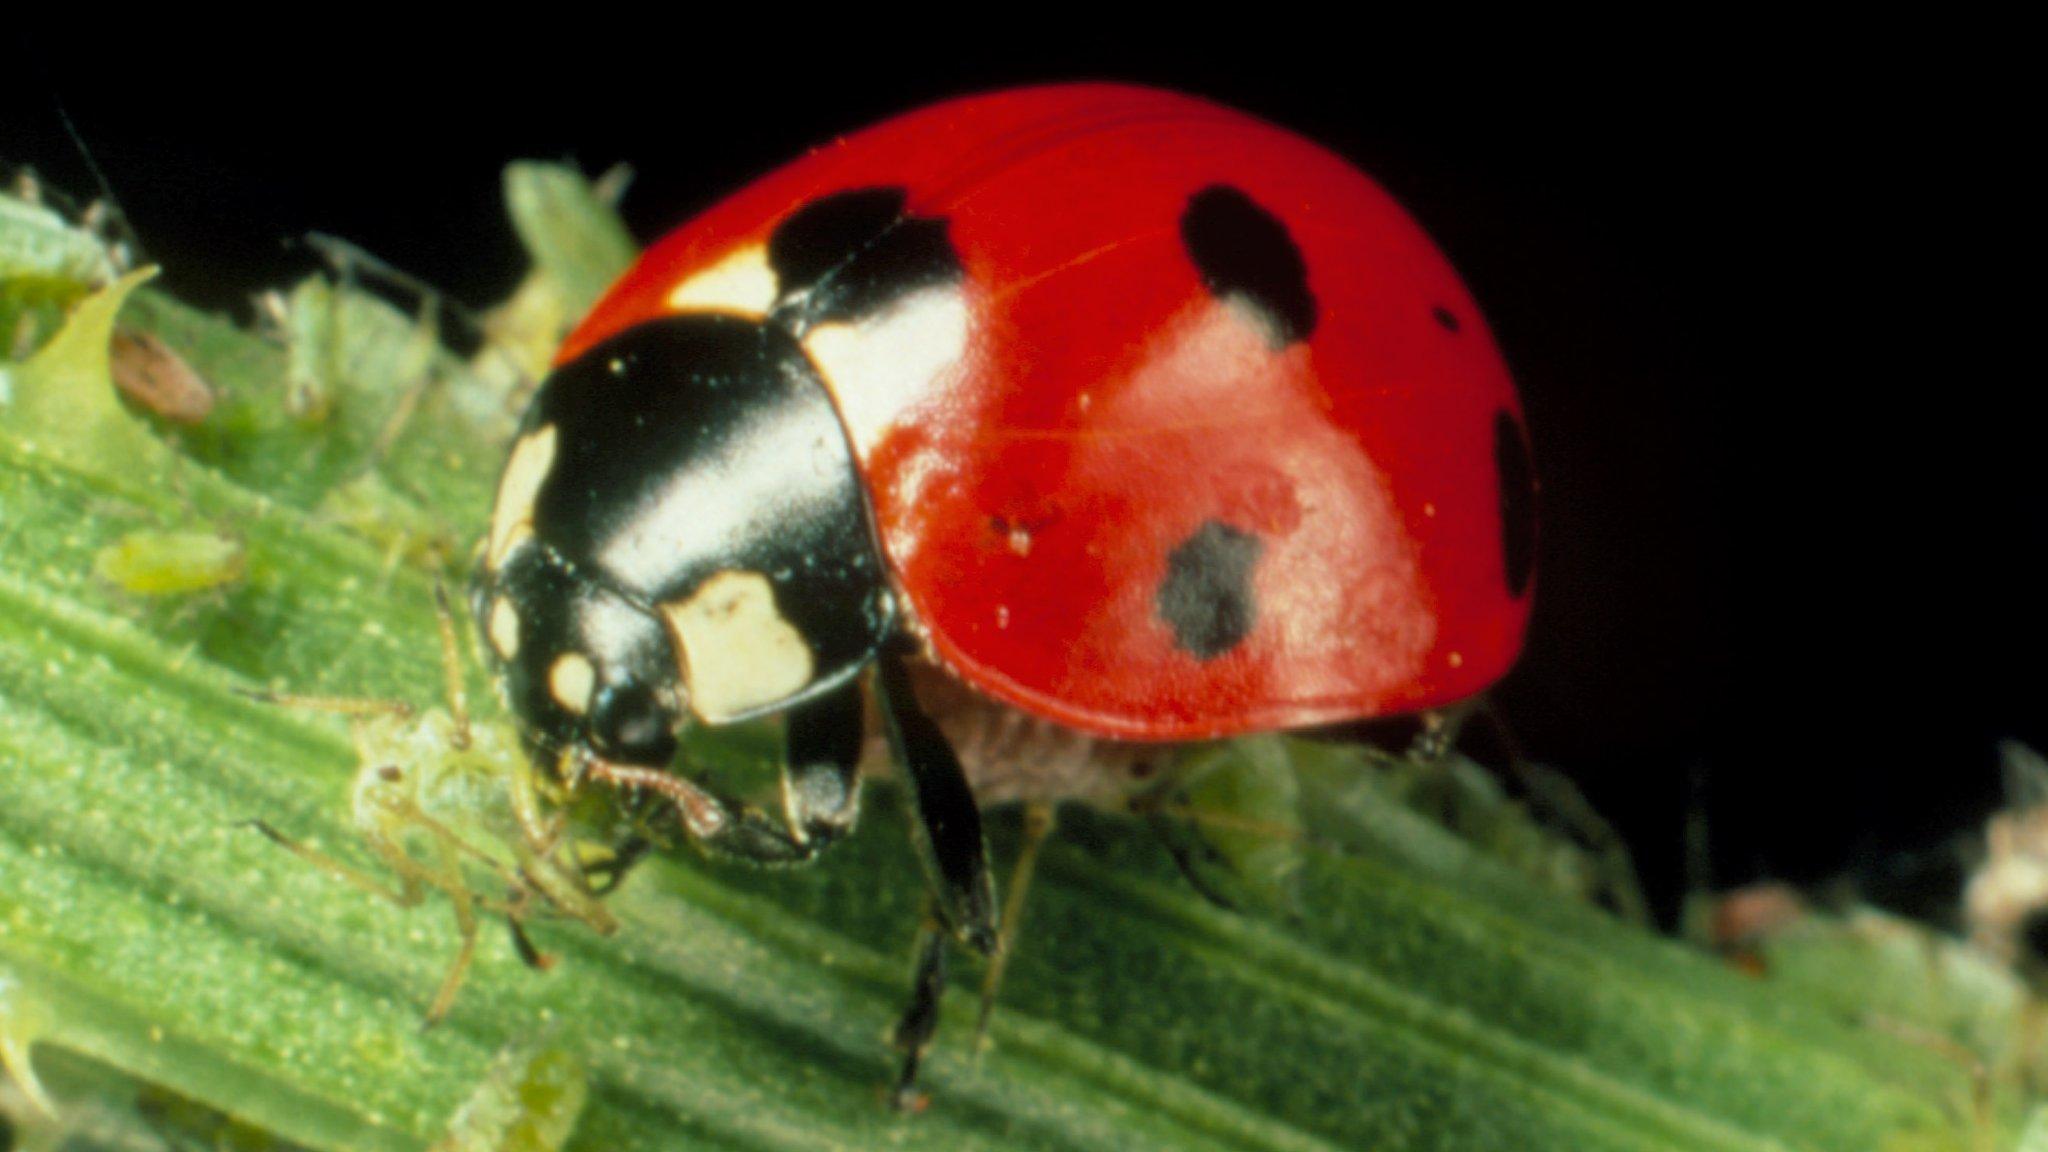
{"points": [[920, 1020]]}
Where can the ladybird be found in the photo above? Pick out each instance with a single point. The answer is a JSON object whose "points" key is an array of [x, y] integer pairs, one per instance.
{"points": [[1109, 409]]}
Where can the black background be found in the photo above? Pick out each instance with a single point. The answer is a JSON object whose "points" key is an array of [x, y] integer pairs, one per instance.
{"points": [[1747, 278]]}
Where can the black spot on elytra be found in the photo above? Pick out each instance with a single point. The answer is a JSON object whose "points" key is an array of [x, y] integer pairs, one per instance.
{"points": [[1244, 251], [1206, 597], [843, 256], [1447, 318], [1517, 501]]}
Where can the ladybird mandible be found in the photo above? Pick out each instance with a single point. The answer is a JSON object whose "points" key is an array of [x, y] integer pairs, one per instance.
{"points": [[1113, 408]]}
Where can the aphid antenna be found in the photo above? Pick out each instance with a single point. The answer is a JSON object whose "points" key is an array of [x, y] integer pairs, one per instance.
{"points": [[352, 706], [127, 250], [356, 265], [1555, 794]]}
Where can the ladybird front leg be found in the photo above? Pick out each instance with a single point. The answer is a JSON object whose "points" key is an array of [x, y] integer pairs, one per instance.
{"points": [[820, 788], [822, 743]]}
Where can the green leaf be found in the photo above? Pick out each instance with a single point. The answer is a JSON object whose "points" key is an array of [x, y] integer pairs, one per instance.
{"points": [[1427, 994]]}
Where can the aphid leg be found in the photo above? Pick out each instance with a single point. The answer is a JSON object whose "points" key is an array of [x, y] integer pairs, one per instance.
{"points": [[947, 827], [408, 894], [920, 1020], [451, 666], [539, 849], [415, 878], [1555, 794], [529, 953], [464, 903], [1201, 865], [1038, 822]]}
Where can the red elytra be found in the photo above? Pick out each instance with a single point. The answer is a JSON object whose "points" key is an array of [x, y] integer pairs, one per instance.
{"points": [[1039, 457]]}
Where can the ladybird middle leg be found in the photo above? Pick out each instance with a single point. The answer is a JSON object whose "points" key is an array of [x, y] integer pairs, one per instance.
{"points": [[920, 1020], [947, 824], [947, 830]]}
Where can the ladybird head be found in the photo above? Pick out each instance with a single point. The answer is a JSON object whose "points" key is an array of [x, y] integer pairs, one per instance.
{"points": [[681, 533], [584, 667]]}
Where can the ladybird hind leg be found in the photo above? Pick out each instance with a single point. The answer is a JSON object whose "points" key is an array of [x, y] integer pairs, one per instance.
{"points": [[1038, 824]]}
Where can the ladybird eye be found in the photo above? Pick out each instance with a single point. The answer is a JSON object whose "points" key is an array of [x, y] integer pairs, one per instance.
{"points": [[628, 724]]}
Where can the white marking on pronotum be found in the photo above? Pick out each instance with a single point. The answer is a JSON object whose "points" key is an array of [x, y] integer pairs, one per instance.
{"points": [[881, 367], [504, 628], [740, 653], [512, 521], [571, 681], [742, 282]]}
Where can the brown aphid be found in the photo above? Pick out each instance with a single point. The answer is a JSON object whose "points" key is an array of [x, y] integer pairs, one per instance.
{"points": [[148, 372]]}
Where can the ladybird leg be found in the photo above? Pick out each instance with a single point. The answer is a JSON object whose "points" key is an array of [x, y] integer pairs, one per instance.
{"points": [[464, 903], [948, 824], [821, 766], [820, 788], [720, 825], [820, 784], [1038, 822], [920, 1020]]}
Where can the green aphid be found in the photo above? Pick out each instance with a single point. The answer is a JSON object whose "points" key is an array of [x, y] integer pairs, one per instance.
{"points": [[528, 1101], [177, 563]]}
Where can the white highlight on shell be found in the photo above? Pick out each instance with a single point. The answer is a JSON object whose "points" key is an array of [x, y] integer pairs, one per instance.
{"points": [[742, 282], [512, 520], [571, 681], [504, 629], [888, 364], [641, 554], [738, 651]]}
